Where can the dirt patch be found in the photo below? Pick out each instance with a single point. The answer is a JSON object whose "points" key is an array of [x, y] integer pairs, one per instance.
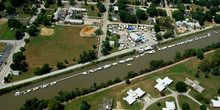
{"points": [[46, 31], [86, 31], [3, 20], [181, 31], [118, 106]]}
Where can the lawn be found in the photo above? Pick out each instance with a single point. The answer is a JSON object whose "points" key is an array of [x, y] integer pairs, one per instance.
{"points": [[146, 83], [2, 46], [49, 12], [162, 102], [64, 44], [6, 33], [184, 99], [91, 13]]}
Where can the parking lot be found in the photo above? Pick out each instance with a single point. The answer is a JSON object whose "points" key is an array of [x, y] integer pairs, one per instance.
{"points": [[133, 35], [5, 53]]}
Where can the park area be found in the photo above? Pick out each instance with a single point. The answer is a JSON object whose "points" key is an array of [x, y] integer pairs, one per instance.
{"points": [[177, 73], [91, 13], [5, 32], [54, 44]]}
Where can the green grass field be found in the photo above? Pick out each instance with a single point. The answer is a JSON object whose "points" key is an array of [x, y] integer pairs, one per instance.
{"points": [[6, 33], [146, 83], [64, 44], [92, 13], [184, 99], [49, 12], [162, 102]]}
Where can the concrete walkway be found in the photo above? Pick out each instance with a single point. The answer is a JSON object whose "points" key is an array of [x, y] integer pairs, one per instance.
{"points": [[173, 94]]}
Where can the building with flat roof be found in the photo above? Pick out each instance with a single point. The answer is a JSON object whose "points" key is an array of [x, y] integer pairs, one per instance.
{"points": [[216, 103], [135, 37], [162, 83], [133, 95], [195, 85], [169, 105]]}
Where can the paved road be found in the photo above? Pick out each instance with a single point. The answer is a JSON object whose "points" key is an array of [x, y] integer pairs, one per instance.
{"points": [[104, 27]]}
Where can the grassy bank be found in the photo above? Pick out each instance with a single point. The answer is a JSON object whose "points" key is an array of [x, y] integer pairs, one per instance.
{"points": [[154, 106], [184, 99], [176, 73]]}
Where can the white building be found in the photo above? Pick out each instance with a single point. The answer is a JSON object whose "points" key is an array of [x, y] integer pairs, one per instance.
{"points": [[162, 83], [112, 43], [72, 21], [115, 8], [14, 72], [170, 106], [133, 95], [56, 16], [135, 37], [72, 9], [216, 103], [195, 85]]}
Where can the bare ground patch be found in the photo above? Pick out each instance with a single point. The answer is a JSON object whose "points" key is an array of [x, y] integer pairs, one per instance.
{"points": [[46, 31], [3, 20]]}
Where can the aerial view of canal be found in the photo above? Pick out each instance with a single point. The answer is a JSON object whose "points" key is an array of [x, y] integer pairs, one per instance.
{"points": [[10, 102]]}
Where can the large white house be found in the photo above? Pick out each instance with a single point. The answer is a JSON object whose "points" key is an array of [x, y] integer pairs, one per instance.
{"points": [[170, 106], [133, 95], [216, 103], [162, 83]]}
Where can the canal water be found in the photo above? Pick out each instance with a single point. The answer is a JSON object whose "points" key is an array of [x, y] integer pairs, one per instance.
{"points": [[10, 102]]}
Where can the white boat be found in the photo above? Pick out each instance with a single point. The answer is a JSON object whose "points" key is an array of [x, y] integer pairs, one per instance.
{"points": [[182, 43], [137, 56], [190, 40], [17, 93], [36, 88], [173, 45], [100, 68], [209, 34], [152, 51], [142, 55], [200, 37], [122, 61], [107, 66], [196, 38], [170, 46], [86, 72], [159, 48], [113, 64], [27, 91], [129, 59], [163, 48], [52, 83], [91, 71], [44, 86]]}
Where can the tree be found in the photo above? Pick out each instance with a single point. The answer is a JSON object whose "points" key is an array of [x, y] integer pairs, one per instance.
{"points": [[202, 107], [141, 15], [60, 65], [219, 91], [185, 106], [32, 30], [181, 86], [71, 2], [85, 2], [217, 18], [37, 71], [22, 49], [94, 46], [206, 100], [55, 105], [99, 14], [215, 71], [26, 40], [84, 105], [46, 5], [122, 15], [178, 15], [101, 7], [92, 7], [2, 6], [178, 56], [181, 7], [59, 3], [152, 10], [204, 66], [158, 104], [158, 36], [10, 10], [66, 62], [154, 64], [127, 81], [157, 28], [98, 31], [200, 54], [18, 35], [199, 97]]}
